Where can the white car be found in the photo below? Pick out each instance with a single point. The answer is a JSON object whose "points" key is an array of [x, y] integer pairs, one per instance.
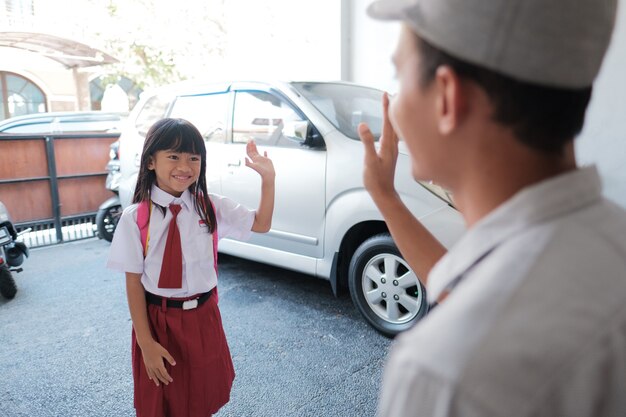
{"points": [[325, 224]]}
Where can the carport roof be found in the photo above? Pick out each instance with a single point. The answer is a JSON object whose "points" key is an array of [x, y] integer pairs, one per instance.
{"points": [[68, 52]]}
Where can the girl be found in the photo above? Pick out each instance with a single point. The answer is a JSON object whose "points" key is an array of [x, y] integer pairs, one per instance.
{"points": [[180, 358]]}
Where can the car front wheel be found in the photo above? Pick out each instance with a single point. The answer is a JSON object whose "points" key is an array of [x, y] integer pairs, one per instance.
{"points": [[384, 288]]}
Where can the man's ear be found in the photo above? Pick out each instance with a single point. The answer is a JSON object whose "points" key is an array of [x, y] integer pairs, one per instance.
{"points": [[450, 99]]}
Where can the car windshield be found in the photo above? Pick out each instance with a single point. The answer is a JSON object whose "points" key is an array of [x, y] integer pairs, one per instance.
{"points": [[346, 105]]}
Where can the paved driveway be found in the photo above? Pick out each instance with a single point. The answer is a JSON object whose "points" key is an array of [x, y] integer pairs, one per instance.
{"points": [[298, 351]]}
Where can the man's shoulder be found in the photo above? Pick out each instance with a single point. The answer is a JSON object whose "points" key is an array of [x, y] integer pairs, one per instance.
{"points": [[575, 245], [533, 315], [562, 324]]}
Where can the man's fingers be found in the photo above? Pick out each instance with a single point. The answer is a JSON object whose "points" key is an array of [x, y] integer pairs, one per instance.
{"points": [[386, 124], [388, 132], [389, 139], [368, 140]]}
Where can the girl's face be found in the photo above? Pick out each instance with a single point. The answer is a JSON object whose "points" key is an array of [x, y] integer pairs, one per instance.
{"points": [[175, 171]]}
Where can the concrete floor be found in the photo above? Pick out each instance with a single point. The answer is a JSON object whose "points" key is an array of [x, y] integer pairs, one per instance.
{"points": [[298, 351]]}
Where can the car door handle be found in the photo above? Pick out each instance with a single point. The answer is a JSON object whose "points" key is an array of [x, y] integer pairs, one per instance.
{"points": [[235, 164]]}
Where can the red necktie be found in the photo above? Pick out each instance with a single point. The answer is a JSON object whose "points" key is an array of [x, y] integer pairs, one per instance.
{"points": [[172, 266]]}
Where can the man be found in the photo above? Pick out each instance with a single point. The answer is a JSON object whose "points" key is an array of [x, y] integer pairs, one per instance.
{"points": [[531, 315]]}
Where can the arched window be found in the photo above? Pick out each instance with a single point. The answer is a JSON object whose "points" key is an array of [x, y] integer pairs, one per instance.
{"points": [[19, 96]]}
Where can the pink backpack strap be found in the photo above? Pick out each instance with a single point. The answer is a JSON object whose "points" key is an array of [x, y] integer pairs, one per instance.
{"points": [[215, 239], [143, 222]]}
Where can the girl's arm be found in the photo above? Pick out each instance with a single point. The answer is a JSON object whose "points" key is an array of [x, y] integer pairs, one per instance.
{"points": [[263, 165], [152, 352]]}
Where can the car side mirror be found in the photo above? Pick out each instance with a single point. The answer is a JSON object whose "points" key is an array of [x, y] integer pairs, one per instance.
{"points": [[297, 129], [314, 139]]}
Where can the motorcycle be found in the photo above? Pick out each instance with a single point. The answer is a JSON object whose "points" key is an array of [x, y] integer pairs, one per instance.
{"points": [[12, 254], [110, 211]]}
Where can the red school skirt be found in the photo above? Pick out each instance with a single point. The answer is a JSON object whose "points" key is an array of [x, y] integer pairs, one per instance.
{"points": [[203, 374]]}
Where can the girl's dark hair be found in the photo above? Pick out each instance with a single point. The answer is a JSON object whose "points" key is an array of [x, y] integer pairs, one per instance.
{"points": [[541, 117], [176, 135]]}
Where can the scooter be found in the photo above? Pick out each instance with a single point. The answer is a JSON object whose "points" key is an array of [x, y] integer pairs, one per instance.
{"points": [[12, 254], [110, 211]]}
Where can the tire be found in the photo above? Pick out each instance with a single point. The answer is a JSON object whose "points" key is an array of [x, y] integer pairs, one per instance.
{"points": [[8, 289], [391, 301], [106, 221]]}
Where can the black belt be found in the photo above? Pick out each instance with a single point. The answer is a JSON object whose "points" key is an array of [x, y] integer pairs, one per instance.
{"points": [[184, 304]]}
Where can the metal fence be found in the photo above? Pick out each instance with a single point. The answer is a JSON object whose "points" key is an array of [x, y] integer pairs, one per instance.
{"points": [[46, 232], [52, 185]]}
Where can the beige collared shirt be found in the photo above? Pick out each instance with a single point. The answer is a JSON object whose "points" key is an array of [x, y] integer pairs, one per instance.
{"points": [[535, 324], [126, 253]]}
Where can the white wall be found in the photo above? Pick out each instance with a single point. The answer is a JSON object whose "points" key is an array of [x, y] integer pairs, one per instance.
{"points": [[283, 39], [603, 140], [371, 45]]}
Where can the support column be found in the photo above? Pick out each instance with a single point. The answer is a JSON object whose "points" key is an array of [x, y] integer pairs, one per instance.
{"points": [[346, 40], [81, 83]]}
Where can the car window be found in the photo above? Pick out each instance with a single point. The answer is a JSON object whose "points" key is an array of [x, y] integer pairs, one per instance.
{"points": [[346, 105], [153, 110], [207, 112], [267, 119]]}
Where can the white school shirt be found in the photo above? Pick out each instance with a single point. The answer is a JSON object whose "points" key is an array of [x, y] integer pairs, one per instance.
{"points": [[536, 326], [126, 253]]}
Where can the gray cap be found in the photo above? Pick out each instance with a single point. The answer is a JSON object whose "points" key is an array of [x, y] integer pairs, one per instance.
{"points": [[559, 43]]}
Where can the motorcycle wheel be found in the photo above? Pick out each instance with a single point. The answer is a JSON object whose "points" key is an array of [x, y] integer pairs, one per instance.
{"points": [[7, 283], [106, 221]]}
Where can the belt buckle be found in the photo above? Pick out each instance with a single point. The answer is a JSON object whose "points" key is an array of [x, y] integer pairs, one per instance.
{"points": [[190, 304]]}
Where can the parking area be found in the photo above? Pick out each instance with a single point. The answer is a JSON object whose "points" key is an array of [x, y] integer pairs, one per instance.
{"points": [[297, 350]]}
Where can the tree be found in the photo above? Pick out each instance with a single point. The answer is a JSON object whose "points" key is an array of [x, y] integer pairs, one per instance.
{"points": [[157, 41]]}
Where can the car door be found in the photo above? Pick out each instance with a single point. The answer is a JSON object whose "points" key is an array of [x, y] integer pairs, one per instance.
{"points": [[279, 128]]}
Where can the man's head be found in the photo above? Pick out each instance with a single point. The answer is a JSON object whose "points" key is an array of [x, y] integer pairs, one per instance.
{"points": [[542, 117], [535, 60], [556, 43]]}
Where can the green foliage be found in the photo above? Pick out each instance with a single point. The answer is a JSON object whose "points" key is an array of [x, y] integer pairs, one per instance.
{"points": [[158, 42]]}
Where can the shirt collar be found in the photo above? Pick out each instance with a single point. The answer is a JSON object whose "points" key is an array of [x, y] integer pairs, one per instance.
{"points": [[537, 203], [164, 199]]}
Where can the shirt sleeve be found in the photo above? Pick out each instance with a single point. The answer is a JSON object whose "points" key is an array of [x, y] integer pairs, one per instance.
{"points": [[233, 219], [126, 253], [409, 390]]}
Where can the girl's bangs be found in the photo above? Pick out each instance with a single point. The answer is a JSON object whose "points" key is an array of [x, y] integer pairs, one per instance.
{"points": [[177, 143]]}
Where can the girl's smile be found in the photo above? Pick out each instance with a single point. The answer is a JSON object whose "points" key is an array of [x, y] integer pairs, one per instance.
{"points": [[175, 171]]}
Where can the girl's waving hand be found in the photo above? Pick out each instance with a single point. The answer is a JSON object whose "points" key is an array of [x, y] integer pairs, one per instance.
{"points": [[260, 163], [264, 166]]}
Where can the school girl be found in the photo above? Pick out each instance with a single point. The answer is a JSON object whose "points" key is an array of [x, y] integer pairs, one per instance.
{"points": [[166, 244]]}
